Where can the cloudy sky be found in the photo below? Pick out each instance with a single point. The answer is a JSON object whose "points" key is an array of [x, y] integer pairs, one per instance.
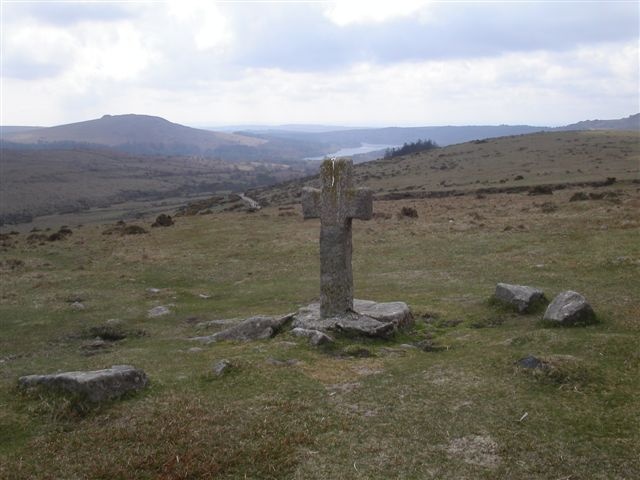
{"points": [[368, 62]]}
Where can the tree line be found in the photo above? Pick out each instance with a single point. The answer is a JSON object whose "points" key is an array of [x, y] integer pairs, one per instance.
{"points": [[411, 147]]}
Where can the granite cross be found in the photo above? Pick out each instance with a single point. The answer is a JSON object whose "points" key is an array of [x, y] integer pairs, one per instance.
{"points": [[336, 204]]}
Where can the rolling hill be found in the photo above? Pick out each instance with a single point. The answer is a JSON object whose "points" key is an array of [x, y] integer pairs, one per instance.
{"points": [[497, 164], [135, 134]]}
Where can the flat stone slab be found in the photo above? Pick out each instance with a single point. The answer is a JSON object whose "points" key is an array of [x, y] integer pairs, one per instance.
{"points": [[570, 308], [252, 328], [95, 385], [520, 297], [369, 319]]}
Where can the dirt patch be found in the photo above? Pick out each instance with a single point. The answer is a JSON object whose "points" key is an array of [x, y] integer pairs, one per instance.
{"points": [[476, 450]]}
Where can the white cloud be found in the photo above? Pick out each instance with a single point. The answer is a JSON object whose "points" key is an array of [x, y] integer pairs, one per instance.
{"points": [[208, 26], [347, 12]]}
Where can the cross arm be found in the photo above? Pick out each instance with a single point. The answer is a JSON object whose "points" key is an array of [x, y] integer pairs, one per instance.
{"points": [[361, 204], [310, 202]]}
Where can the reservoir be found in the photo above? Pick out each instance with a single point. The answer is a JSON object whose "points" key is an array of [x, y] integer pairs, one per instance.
{"points": [[348, 152]]}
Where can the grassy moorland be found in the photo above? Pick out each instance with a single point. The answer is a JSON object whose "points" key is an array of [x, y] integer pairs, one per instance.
{"points": [[460, 410]]}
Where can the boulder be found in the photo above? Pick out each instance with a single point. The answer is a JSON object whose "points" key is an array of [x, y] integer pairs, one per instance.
{"points": [[253, 328], [570, 308], [95, 386], [521, 297]]}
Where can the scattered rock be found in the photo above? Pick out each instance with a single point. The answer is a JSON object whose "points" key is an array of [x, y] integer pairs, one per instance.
{"points": [[158, 311], [163, 220], [204, 296], [521, 297], [315, 337], [221, 367], [530, 362], [78, 306], [153, 291], [95, 386], [570, 308], [253, 328]]}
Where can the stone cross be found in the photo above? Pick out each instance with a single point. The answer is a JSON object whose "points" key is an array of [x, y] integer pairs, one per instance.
{"points": [[336, 204]]}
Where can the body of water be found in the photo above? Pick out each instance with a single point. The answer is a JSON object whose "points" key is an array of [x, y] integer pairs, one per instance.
{"points": [[348, 152]]}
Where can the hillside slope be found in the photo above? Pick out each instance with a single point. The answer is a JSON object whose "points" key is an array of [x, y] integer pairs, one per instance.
{"points": [[632, 122], [135, 133], [507, 162]]}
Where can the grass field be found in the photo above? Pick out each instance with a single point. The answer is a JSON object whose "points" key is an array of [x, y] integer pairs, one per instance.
{"points": [[460, 411]]}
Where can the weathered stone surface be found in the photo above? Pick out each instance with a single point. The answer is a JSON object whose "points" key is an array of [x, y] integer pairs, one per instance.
{"points": [[361, 325], [368, 319], [396, 312], [315, 337], [336, 204], [519, 296], [95, 386], [253, 328], [221, 367], [570, 308]]}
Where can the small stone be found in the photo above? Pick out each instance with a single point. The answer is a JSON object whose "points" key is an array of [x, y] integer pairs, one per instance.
{"points": [[221, 367], [95, 386], [315, 337], [570, 308], [195, 350], [78, 306], [530, 362], [204, 296], [158, 311], [521, 297], [153, 291]]}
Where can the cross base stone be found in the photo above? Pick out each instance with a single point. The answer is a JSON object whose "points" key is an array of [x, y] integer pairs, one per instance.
{"points": [[369, 318]]}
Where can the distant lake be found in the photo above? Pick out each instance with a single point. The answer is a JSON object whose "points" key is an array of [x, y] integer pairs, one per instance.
{"points": [[348, 152]]}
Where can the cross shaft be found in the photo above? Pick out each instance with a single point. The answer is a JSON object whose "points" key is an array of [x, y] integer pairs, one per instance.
{"points": [[336, 204]]}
